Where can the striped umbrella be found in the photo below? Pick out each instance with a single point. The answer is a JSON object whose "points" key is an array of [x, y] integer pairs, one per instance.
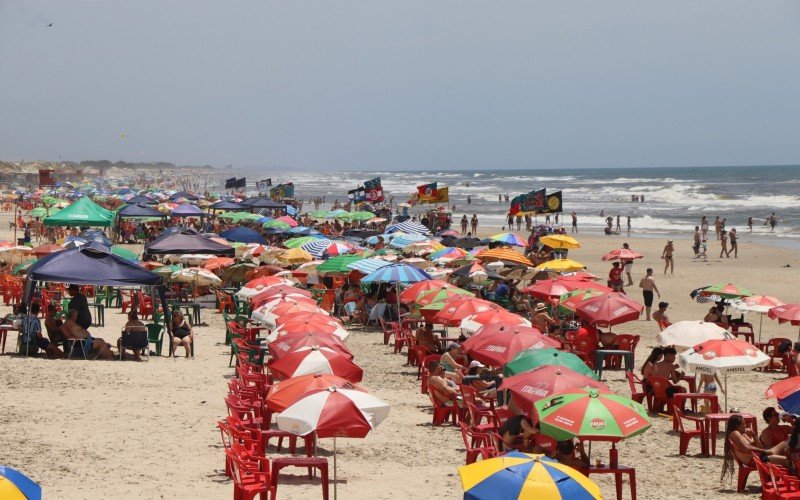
{"points": [[300, 241], [448, 253], [520, 476], [477, 321], [367, 266], [405, 240], [509, 239], [320, 248], [396, 273], [410, 227], [315, 359], [504, 255]]}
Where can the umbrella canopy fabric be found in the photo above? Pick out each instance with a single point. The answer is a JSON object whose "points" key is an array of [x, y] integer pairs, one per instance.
{"points": [[589, 413], [609, 309], [334, 412], [15, 485], [431, 296], [413, 292], [305, 315], [396, 273], [519, 476], [196, 276], [569, 302], [509, 239], [291, 342], [457, 308], [91, 264], [278, 291], [504, 255], [787, 313], [726, 291], [787, 392], [367, 266], [295, 256], [187, 210], [275, 300], [546, 289], [338, 264], [409, 227], [243, 235], [531, 359], [124, 253], [323, 325], [529, 387], [760, 304], [82, 212], [560, 241], [479, 320], [723, 356], [315, 360], [622, 254], [323, 247], [475, 272], [186, 242], [43, 250], [496, 344], [283, 394], [138, 211], [685, 334], [560, 265]]}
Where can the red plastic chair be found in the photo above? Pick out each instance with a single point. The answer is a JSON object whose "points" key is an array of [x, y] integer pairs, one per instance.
{"points": [[389, 328], [426, 362], [773, 351], [251, 476], [584, 348], [416, 356], [686, 435], [476, 416], [743, 471], [402, 338], [638, 394], [744, 330], [225, 303], [474, 442], [660, 398], [442, 412], [624, 342]]}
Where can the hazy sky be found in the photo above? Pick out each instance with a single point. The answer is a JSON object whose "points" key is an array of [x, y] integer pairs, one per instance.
{"points": [[337, 84]]}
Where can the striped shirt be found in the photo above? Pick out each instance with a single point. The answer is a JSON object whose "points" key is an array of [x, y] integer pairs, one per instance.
{"points": [[30, 327]]}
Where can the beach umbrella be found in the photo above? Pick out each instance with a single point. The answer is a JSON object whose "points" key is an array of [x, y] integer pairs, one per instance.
{"points": [[43, 250], [319, 214], [622, 254], [413, 292], [547, 289], [787, 313], [457, 308], [15, 485], [466, 242], [560, 265], [299, 241], [496, 344], [196, 276], [475, 272], [268, 303], [124, 253], [726, 291], [320, 248], [509, 239], [276, 224], [609, 309], [287, 220], [528, 360], [723, 356], [263, 282], [559, 241], [218, 263], [236, 273], [284, 393], [334, 413], [476, 321], [291, 342], [504, 255], [409, 227], [280, 290], [367, 266], [529, 387], [522, 476], [448, 232], [578, 276], [315, 359], [269, 315], [167, 271], [685, 334], [429, 296], [787, 391], [15, 254], [448, 253], [396, 273], [338, 264], [569, 302], [590, 414], [323, 325], [295, 256], [23, 266], [759, 304], [306, 315], [257, 250]]}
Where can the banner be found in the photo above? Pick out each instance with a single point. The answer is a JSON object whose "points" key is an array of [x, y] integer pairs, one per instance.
{"points": [[282, 191], [442, 195], [553, 203], [230, 183], [516, 204], [427, 192], [263, 185], [535, 200], [352, 194], [373, 191]]}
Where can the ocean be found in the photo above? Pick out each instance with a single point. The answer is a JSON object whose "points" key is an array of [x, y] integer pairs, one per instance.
{"points": [[675, 198]]}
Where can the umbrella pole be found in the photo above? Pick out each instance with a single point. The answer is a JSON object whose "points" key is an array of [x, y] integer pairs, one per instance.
{"points": [[334, 466], [726, 392], [760, 320]]}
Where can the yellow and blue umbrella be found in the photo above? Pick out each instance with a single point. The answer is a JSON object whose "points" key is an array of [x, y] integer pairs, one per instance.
{"points": [[15, 485], [509, 239], [523, 476]]}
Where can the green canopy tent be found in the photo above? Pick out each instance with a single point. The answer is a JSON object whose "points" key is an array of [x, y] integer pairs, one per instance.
{"points": [[83, 212]]}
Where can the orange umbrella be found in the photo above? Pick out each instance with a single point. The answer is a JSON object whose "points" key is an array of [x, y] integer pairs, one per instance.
{"points": [[411, 293], [504, 254], [218, 263], [265, 282]]}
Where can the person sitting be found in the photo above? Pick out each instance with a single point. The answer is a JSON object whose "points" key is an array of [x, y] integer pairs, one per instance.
{"points": [[667, 369], [714, 316], [446, 389], [615, 277], [53, 326], [484, 381], [30, 330], [73, 331], [656, 355], [774, 432], [793, 447], [796, 356], [449, 361], [743, 442], [541, 319], [565, 454], [512, 428], [132, 326], [182, 334], [426, 338]]}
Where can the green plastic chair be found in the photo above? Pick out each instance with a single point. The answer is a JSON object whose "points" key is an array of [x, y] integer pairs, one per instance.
{"points": [[155, 335]]}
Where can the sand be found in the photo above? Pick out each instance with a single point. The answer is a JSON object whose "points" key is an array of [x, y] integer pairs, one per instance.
{"points": [[147, 430]]}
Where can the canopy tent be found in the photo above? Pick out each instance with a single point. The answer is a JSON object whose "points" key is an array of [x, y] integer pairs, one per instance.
{"points": [[244, 235], [184, 194], [186, 241], [261, 202], [142, 200], [229, 206], [187, 210], [82, 212], [137, 211]]}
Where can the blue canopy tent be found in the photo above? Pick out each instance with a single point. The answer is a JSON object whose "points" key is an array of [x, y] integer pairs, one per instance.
{"points": [[184, 194], [138, 210], [142, 200], [183, 242], [93, 264], [261, 202], [243, 235], [228, 206], [187, 210]]}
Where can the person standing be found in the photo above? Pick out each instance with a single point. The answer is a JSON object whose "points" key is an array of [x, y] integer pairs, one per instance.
{"points": [[717, 227], [750, 223], [666, 254], [510, 222], [734, 244], [773, 221], [464, 224], [696, 246], [629, 225], [574, 222], [619, 227], [474, 224], [723, 242], [627, 264], [648, 286], [704, 227]]}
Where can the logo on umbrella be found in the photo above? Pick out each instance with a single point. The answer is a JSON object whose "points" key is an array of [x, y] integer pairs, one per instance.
{"points": [[710, 355], [598, 424], [750, 352]]}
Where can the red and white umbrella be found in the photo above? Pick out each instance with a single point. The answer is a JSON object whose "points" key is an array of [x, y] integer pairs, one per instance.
{"points": [[622, 254], [723, 356], [786, 313], [256, 286], [546, 289], [305, 315], [459, 307], [411, 293], [528, 387], [329, 327], [609, 309], [283, 394], [496, 344], [315, 360], [291, 342], [274, 301], [268, 315], [476, 321]]}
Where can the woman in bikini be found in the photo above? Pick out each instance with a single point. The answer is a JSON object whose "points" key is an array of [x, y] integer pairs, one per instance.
{"points": [[742, 442]]}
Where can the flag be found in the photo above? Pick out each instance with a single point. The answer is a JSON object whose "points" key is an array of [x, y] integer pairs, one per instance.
{"points": [[262, 185], [373, 191], [230, 183], [516, 204], [241, 183], [352, 194], [553, 203], [535, 200], [290, 210], [282, 191], [427, 192], [269, 181], [442, 195]]}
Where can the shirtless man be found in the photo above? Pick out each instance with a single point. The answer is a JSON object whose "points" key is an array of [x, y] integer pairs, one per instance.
{"points": [[667, 369], [541, 319], [446, 391], [565, 454], [669, 262], [661, 314], [648, 286], [425, 338], [72, 330]]}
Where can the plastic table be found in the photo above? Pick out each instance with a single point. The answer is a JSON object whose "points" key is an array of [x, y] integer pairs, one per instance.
{"points": [[600, 356], [680, 398]]}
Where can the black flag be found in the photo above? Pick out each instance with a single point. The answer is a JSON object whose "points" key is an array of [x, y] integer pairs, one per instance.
{"points": [[241, 183], [230, 183]]}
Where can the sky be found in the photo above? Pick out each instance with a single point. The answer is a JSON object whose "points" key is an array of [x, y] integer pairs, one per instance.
{"points": [[377, 85]]}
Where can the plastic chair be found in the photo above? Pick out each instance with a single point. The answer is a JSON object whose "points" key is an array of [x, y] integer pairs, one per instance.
{"points": [[476, 415], [389, 328], [155, 335], [638, 394], [659, 397], [743, 471], [224, 303], [687, 434], [441, 411], [773, 351], [584, 348], [624, 342], [416, 356], [250, 479], [473, 442]]}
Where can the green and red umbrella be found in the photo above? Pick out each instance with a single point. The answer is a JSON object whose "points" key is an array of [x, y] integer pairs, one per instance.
{"points": [[591, 414], [496, 344], [429, 296], [411, 293], [569, 302], [726, 291], [531, 359]]}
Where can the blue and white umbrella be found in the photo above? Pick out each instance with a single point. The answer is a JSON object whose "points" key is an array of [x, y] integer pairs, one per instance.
{"points": [[396, 273], [368, 266], [408, 227], [404, 240], [320, 248]]}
